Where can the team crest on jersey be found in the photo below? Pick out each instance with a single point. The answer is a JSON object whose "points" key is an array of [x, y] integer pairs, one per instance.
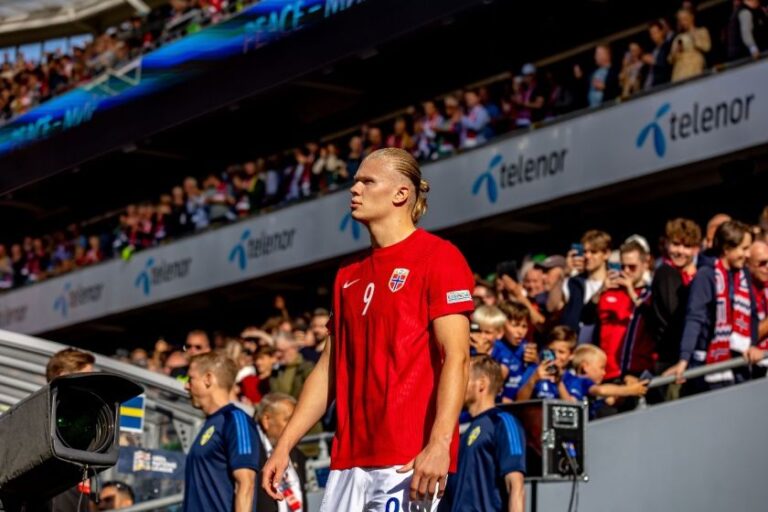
{"points": [[397, 281], [207, 435], [473, 435]]}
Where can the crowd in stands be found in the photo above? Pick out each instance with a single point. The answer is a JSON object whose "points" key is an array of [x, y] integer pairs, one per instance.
{"points": [[431, 130], [595, 323], [25, 82]]}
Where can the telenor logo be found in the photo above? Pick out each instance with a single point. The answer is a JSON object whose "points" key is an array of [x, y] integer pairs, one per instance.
{"points": [[72, 297], [60, 304], [347, 222], [251, 248], [699, 119], [659, 140], [487, 179], [517, 172], [161, 273]]}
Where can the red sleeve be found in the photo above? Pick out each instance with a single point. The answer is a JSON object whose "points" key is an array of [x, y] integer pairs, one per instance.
{"points": [[249, 387], [450, 283]]}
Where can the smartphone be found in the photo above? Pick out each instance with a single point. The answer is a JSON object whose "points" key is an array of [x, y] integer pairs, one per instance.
{"points": [[579, 248], [614, 266], [548, 356], [507, 268]]}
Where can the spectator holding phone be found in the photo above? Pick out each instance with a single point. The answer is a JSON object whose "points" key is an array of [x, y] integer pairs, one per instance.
{"points": [[721, 317], [688, 47], [622, 311], [549, 378], [576, 298]]}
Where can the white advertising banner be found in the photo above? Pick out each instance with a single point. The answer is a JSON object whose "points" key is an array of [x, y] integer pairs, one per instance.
{"points": [[714, 116]]}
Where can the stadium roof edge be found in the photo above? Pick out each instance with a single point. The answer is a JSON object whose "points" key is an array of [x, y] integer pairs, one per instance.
{"points": [[23, 21]]}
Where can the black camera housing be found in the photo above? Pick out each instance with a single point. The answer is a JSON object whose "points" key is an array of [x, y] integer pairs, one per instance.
{"points": [[44, 447]]}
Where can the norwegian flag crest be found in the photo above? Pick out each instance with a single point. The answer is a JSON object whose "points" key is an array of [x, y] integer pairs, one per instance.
{"points": [[397, 281]]}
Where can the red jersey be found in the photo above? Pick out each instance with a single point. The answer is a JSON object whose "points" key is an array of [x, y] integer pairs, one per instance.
{"points": [[387, 360], [615, 312]]}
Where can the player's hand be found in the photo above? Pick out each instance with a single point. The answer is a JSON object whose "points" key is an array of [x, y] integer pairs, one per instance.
{"points": [[430, 470], [272, 474]]}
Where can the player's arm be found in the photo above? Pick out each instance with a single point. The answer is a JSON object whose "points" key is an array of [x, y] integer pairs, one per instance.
{"points": [[312, 404], [430, 467], [516, 490], [245, 489]]}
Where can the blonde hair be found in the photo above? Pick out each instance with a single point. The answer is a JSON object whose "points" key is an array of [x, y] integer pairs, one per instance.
{"points": [[404, 163], [484, 365], [584, 353], [489, 316], [219, 364]]}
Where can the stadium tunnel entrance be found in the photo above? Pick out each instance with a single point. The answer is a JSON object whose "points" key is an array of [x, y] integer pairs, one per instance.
{"points": [[733, 184]]}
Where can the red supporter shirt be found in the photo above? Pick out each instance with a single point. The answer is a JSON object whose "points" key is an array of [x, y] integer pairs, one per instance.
{"points": [[614, 311], [387, 360]]}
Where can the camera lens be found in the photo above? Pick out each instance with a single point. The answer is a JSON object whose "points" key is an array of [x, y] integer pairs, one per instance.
{"points": [[84, 421]]}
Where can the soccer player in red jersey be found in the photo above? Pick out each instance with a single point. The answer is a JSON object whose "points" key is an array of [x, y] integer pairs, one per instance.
{"points": [[398, 360]]}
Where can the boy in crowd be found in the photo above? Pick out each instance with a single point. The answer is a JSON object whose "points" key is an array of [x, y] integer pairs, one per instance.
{"points": [[589, 366], [550, 378], [487, 327], [511, 350], [492, 450]]}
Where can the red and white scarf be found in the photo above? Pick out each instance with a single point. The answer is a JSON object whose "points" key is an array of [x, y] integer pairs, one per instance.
{"points": [[733, 321]]}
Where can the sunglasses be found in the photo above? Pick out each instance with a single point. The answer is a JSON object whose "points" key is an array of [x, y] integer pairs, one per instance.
{"points": [[630, 267]]}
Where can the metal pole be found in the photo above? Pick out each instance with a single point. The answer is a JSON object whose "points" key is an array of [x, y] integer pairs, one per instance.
{"points": [[701, 371], [146, 506]]}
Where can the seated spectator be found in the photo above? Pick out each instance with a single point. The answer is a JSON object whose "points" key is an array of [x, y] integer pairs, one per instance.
{"points": [[659, 67], [115, 495], [197, 342], [400, 138], [6, 269], [747, 34], [355, 155], [476, 124], [529, 97], [219, 200], [19, 265], [576, 298], [491, 465], [329, 171], [689, 47], [450, 131], [94, 254], [498, 120], [375, 141], [603, 84], [622, 312], [670, 288], [196, 208], [632, 69], [178, 221], [429, 125], [177, 365], [721, 319]]}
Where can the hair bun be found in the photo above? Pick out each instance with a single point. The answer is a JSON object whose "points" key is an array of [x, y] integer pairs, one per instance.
{"points": [[423, 186]]}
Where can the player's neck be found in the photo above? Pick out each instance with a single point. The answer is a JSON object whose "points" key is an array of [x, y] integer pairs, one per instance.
{"points": [[482, 405], [214, 402], [389, 231]]}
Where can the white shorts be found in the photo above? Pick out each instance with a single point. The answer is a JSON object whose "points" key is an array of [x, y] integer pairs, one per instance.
{"points": [[372, 490]]}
